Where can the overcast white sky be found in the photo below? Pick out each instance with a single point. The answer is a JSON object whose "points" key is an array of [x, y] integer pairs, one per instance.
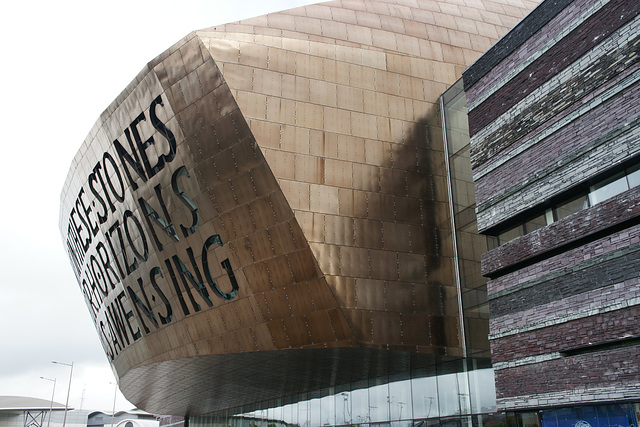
{"points": [[62, 65]]}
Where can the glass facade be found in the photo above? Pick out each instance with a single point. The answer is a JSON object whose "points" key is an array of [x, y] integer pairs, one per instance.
{"points": [[449, 393], [468, 244], [379, 406]]}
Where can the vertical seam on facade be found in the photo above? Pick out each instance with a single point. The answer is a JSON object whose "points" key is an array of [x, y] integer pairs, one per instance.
{"points": [[453, 229]]}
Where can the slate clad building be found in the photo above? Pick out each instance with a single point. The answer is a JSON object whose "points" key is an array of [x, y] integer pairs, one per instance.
{"points": [[553, 118], [274, 223]]}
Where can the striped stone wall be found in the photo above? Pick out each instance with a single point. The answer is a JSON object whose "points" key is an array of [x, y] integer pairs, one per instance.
{"points": [[554, 109]]}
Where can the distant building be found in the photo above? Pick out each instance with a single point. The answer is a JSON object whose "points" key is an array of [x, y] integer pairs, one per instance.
{"points": [[135, 418], [18, 411]]}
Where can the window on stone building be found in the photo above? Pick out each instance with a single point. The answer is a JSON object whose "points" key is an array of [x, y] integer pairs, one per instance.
{"points": [[608, 188]]}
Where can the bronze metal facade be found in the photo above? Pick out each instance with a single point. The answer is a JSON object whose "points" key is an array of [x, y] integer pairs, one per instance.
{"points": [[264, 211]]}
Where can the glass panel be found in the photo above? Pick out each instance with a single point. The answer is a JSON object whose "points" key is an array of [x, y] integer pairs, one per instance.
{"points": [[482, 390], [633, 176], [511, 420], [343, 408], [476, 320], [549, 216], [527, 419], [564, 417], [535, 223], [457, 124], [273, 414], [469, 244], [511, 234], [328, 409], [452, 422], [303, 412], [588, 414], [572, 206], [314, 412], [493, 420], [617, 414], [608, 188], [471, 274], [464, 396], [462, 180], [360, 406], [400, 407], [291, 414], [449, 394], [425, 397], [492, 242], [379, 403]]}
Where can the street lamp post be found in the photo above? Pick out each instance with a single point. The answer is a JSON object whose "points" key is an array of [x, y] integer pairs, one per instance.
{"points": [[66, 405], [52, 394]]}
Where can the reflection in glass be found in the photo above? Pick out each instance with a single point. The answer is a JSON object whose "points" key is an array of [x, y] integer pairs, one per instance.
{"points": [[379, 403], [343, 408], [314, 412], [511, 234], [633, 176], [303, 412], [527, 419], [425, 397], [449, 395], [621, 414], [492, 242], [400, 404], [468, 244], [572, 206], [291, 413], [328, 408], [535, 223], [482, 391], [455, 389], [360, 406], [608, 188]]}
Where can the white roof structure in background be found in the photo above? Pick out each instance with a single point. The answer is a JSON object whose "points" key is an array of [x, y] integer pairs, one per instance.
{"points": [[21, 403]]}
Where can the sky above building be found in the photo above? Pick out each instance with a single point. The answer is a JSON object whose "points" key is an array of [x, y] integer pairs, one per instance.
{"points": [[63, 64]]}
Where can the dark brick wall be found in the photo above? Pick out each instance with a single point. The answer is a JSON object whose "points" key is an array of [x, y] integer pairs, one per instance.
{"points": [[619, 368], [566, 262], [612, 271], [541, 133], [505, 63], [579, 228], [553, 107], [598, 27], [577, 333], [539, 17], [559, 173], [173, 421], [562, 153]]}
